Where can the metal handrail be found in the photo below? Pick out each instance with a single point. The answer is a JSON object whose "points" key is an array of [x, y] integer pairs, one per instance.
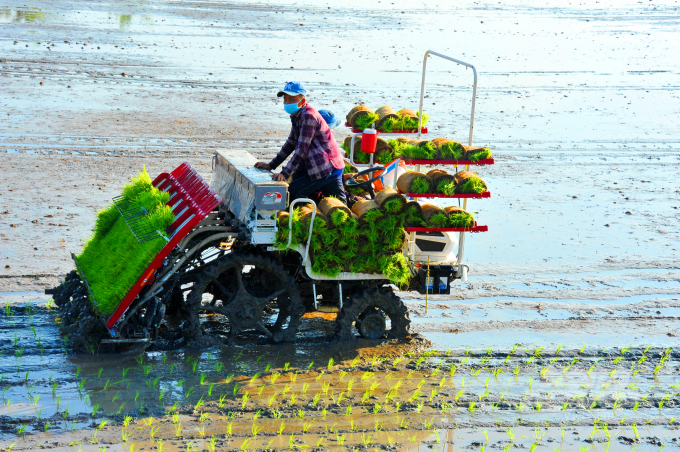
{"points": [[311, 225], [351, 154], [422, 90], [461, 241]]}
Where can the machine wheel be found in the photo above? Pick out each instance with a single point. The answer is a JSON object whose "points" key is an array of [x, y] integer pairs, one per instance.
{"points": [[372, 324], [79, 325], [369, 310], [253, 293]]}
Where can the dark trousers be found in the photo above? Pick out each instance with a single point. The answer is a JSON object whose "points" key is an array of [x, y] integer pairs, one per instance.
{"points": [[303, 187]]}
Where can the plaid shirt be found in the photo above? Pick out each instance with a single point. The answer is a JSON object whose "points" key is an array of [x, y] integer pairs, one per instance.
{"points": [[315, 143]]}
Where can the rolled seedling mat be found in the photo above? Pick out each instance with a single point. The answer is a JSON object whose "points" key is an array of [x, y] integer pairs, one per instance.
{"points": [[414, 149], [359, 157], [281, 216], [413, 215], [414, 182], [468, 182], [449, 149], [361, 117], [442, 182], [335, 210], [458, 217], [409, 119], [475, 154], [388, 119], [391, 201], [383, 152], [435, 216], [368, 211]]}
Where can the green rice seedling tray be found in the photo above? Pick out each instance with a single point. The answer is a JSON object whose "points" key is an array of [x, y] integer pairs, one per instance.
{"points": [[475, 228], [394, 132], [449, 162], [485, 194]]}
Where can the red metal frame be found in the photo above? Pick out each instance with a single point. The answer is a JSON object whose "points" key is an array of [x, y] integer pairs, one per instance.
{"points": [[486, 194], [475, 228], [423, 130], [449, 162], [191, 200]]}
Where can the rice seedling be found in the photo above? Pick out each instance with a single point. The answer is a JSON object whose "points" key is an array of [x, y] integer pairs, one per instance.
{"points": [[213, 443], [635, 432], [282, 427], [235, 389], [199, 404], [229, 378], [403, 424], [153, 431]]}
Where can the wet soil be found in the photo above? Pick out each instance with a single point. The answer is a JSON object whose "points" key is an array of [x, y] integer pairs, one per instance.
{"points": [[579, 268], [330, 395]]}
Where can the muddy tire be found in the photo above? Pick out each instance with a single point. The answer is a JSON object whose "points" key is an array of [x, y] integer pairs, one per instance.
{"points": [[264, 299], [81, 329], [369, 310]]}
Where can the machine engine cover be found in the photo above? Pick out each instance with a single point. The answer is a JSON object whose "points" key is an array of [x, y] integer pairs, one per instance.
{"points": [[243, 187]]}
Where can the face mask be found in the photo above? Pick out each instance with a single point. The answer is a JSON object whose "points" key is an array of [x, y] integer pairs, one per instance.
{"points": [[291, 108]]}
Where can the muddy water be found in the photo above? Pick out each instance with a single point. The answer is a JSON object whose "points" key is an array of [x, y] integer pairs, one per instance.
{"points": [[341, 395], [578, 102]]}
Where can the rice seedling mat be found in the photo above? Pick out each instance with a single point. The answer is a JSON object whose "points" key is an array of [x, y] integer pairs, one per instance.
{"points": [[394, 132], [449, 162], [485, 194], [475, 228]]}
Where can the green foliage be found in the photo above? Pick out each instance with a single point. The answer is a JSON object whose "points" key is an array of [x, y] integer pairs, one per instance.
{"points": [[359, 157], [452, 151], [113, 259], [420, 185], [408, 123], [373, 247], [446, 187], [409, 151], [365, 120], [475, 156], [391, 124], [472, 185], [413, 216], [339, 217], [394, 205], [439, 220], [384, 158], [461, 220]]}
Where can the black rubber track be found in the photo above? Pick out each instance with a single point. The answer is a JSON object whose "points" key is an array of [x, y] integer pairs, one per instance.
{"points": [[373, 297], [244, 309]]}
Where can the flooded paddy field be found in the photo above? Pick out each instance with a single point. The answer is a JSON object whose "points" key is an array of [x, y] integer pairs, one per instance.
{"points": [[565, 336], [323, 395]]}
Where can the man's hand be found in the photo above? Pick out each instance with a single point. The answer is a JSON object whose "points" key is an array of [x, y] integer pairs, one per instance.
{"points": [[279, 177], [263, 165]]}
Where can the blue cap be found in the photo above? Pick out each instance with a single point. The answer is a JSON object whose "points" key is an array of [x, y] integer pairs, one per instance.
{"points": [[330, 118], [292, 89]]}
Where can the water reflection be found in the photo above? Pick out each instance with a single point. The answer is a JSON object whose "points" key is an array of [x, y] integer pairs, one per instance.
{"points": [[125, 20], [30, 15]]}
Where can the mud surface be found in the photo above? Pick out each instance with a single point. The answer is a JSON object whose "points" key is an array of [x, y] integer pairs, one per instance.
{"points": [[579, 102]]}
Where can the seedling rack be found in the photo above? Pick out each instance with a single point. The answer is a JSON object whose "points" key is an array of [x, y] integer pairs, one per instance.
{"points": [[449, 162], [191, 200], [462, 269], [394, 132], [485, 194]]}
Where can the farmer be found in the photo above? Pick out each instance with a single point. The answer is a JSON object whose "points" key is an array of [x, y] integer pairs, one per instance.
{"points": [[317, 163]]}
